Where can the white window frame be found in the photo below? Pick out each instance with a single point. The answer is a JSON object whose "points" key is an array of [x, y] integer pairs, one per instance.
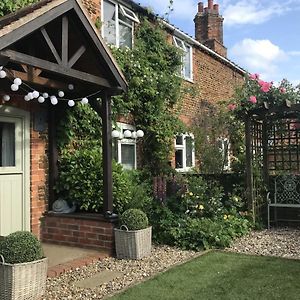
{"points": [[119, 8], [125, 141], [183, 148], [185, 47], [222, 150]]}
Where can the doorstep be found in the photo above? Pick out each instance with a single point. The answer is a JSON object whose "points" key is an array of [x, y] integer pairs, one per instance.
{"points": [[63, 258]]}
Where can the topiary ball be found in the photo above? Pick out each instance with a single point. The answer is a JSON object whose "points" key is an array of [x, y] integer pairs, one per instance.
{"points": [[21, 247], [134, 219]]}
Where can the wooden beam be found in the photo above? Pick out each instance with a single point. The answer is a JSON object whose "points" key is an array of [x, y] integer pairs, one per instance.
{"points": [[28, 77], [65, 41], [265, 148], [107, 155], [55, 68], [76, 56], [51, 46], [249, 167]]}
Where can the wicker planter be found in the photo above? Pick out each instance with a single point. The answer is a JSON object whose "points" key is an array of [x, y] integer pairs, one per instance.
{"points": [[133, 244], [25, 281]]}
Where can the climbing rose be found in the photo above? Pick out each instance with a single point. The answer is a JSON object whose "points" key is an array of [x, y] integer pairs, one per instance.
{"points": [[231, 106], [253, 99], [254, 76], [282, 90], [266, 87]]}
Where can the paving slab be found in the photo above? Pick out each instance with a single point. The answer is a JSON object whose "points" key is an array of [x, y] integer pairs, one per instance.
{"points": [[58, 254], [98, 279]]}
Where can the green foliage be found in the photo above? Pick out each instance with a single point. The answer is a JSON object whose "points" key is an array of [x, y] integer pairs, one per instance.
{"points": [[200, 217], [21, 247], [213, 124], [151, 69], [8, 6], [134, 219]]}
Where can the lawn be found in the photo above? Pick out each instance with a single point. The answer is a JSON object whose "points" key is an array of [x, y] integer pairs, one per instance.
{"points": [[221, 275]]}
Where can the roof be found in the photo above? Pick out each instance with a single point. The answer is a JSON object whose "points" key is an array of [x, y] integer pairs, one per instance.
{"points": [[178, 32], [21, 23]]}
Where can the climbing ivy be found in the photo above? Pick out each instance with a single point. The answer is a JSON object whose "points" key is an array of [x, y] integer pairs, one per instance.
{"points": [[8, 6], [151, 69]]}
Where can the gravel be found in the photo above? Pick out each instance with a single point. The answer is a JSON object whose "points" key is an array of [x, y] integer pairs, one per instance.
{"points": [[161, 258], [282, 242]]}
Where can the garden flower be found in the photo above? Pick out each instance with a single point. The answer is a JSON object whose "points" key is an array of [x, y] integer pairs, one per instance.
{"points": [[282, 90], [201, 206], [253, 99], [232, 106], [266, 87], [191, 194], [254, 76], [225, 217]]}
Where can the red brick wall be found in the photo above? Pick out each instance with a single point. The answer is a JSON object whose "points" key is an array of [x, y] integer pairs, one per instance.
{"points": [[38, 163], [79, 230]]}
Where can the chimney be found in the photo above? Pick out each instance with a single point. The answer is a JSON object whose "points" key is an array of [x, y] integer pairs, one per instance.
{"points": [[209, 27]]}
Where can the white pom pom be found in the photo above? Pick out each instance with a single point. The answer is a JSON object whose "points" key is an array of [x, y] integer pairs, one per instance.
{"points": [[61, 94], [14, 87], [6, 97], [2, 74], [71, 103], [35, 94], [41, 99], [18, 81], [53, 100], [30, 95], [84, 100]]}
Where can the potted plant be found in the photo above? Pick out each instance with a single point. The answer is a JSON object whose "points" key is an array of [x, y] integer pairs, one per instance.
{"points": [[133, 239], [23, 268]]}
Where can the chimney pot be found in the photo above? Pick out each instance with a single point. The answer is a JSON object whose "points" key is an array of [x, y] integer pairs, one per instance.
{"points": [[210, 4], [216, 7], [200, 7], [206, 10]]}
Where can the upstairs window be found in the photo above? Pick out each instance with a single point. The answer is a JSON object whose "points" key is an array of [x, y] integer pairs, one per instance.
{"points": [[118, 24], [184, 152], [187, 58]]}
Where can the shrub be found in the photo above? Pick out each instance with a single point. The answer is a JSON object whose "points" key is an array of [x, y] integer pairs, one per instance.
{"points": [[21, 247], [134, 219]]}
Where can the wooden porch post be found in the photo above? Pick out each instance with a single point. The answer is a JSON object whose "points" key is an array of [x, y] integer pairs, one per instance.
{"points": [[249, 167], [107, 156]]}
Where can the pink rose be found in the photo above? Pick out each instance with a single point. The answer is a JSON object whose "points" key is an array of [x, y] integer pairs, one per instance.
{"points": [[266, 87], [282, 90], [253, 99], [231, 106], [261, 82]]}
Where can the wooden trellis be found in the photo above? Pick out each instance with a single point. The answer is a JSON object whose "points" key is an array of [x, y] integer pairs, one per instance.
{"points": [[272, 148]]}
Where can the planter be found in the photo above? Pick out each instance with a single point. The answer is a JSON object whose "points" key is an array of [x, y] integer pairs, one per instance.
{"points": [[133, 244], [25, 281]]}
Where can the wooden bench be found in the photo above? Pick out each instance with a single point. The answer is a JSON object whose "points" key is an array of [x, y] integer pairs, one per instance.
{"points": [[286, 194]]}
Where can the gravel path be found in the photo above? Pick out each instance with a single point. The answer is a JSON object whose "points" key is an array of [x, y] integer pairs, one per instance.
{"points": [[134, 271], [284, 242]]}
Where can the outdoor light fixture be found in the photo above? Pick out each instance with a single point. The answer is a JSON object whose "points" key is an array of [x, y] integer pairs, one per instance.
{"points": [[6, 97], [61, 94], [41, 99], [127, 134], [14, 87]]}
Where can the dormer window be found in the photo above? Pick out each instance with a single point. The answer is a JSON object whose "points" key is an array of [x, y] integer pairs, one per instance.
{"points": [[187, 58], [118, 24]]}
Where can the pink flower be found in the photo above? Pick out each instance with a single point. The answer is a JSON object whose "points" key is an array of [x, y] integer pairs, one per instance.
{"points": [[254, 76], [253, 99], [282, 90], [261, 82], [231, 106], [266, 87]]}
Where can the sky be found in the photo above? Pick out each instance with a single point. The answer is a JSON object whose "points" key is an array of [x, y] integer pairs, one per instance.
{"points": [[261, 36]]}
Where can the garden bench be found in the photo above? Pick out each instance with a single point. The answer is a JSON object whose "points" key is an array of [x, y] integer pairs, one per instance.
{"points": [[286, 194]]}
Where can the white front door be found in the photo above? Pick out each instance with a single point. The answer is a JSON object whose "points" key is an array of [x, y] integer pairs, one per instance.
{"points": [[14, 177]]}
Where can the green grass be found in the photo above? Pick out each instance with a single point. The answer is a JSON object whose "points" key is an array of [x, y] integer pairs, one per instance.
{"points": [[220, 275]]}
